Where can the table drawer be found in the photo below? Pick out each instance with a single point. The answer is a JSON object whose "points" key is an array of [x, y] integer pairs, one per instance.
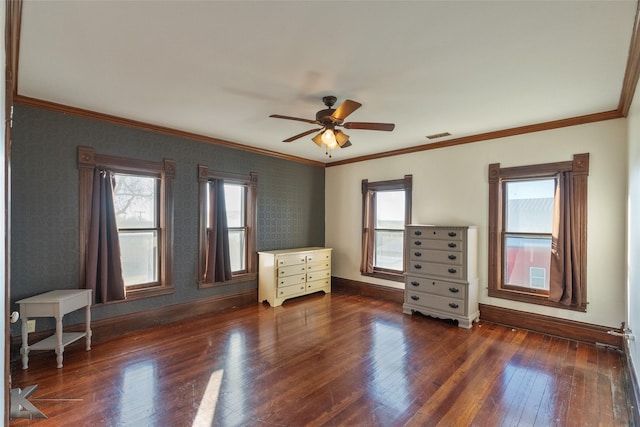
{"points": [[438, 287], [442, 257], [436, 233], [318, 275], [293, 259], [437, 302], [290, 291], [291, 270], [319, 256], [319, 266], [434, 269], [439, 245], [317, 285], [283, 282]]}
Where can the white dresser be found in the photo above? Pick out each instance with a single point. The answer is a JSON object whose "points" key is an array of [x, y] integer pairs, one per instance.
{"points": [[290, 273], [442, 273]]}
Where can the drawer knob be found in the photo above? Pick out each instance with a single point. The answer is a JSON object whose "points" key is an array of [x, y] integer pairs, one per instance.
{"points": [[453, 305], [452, 270], [452, 234], [414, 283], [454, 290], [418, 243], [417, 266], [418, 233], [452, 245], [417, 253], [452, 257], [415, 298]]}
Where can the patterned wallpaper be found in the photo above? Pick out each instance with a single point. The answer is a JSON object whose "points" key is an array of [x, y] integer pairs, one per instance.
{"points": [[44, 206]]}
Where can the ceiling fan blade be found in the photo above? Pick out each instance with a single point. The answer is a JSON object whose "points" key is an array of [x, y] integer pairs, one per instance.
{"points": [[300, 135], [346, 108], [318, 139], [346, 144], [278, 116], [341, 137], [369, 126]]}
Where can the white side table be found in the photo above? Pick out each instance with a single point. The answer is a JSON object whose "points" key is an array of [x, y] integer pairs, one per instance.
{"points": [[54, 304]]}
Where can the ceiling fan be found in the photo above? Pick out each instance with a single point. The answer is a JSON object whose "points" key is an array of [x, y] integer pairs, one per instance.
{"points": [[330, 118]]}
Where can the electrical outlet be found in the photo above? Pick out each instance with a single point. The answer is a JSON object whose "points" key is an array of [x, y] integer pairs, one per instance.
{"points": [[31, 325]]}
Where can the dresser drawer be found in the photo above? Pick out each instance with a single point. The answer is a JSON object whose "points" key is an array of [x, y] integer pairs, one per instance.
{"points": [[293, 259], [437, 287], [449, 305], [290, 291], [436, 233], [291, 270], [291, 280], [319, 256], [442, 257], [438, 245], [319, 266], [317, 285], [318, 275], [434, 269]]}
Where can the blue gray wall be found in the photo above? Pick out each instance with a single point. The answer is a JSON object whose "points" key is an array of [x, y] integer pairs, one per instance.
{"points": [[44, 206]]}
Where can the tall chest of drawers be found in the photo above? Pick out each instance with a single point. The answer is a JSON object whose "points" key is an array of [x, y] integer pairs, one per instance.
{"points": [[290, 273], [442, 273]]}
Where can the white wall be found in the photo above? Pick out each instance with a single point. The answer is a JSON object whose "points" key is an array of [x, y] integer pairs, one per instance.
{"points": [[450, 186], [633, 234]]}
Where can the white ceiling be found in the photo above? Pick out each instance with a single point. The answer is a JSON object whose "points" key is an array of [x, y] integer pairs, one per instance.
{"points": [[220, 68]]}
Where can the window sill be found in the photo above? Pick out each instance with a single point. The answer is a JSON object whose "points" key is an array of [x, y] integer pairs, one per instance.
{"points": [[532, 299], [236, 279], [395, 277], [141, 293]]}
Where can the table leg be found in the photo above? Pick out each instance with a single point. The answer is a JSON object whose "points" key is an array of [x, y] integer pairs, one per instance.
{"points": [[88, 330], [24, 350], [59, 346]]}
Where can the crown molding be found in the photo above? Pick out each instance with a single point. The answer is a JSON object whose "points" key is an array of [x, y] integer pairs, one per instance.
{"points": [[520, 130], [79, 112]]}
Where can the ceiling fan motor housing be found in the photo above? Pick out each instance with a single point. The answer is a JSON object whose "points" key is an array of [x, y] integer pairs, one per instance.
{"points": [[324, 116]]}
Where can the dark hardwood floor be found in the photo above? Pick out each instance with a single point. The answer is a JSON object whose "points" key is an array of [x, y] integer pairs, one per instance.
{"points": [[336, 360]]}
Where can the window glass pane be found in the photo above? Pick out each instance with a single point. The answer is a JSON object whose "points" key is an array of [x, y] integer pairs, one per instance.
{"points": [[390, 210], [529, 206], [388, 253], [236, 250], [139, 256], [135, 201], [234, 200], [527, 262]]}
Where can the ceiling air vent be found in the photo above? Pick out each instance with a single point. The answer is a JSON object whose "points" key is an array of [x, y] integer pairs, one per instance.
{"points": [[438, 135]]}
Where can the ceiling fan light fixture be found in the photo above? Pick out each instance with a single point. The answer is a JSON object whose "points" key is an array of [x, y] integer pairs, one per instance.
{"points": [[318, 139], [341, 137], [329, 139]]}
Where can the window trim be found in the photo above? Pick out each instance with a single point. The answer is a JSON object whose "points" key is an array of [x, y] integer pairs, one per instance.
{"points": [[251, 182], [165, 170], [497, 175], [405, 184]]}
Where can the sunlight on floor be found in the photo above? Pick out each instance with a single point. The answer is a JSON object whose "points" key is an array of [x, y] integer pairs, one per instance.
{"points": [[207, 408]]}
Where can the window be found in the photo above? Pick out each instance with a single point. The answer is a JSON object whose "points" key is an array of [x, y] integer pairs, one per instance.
{"points": [[527, 232], [235, 202], [239, 198], [137, 215], [537, 233], [143, 204], [386, 207]]}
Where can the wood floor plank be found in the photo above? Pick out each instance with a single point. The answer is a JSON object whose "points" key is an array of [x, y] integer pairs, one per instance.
{"points": [[327, 360]]}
